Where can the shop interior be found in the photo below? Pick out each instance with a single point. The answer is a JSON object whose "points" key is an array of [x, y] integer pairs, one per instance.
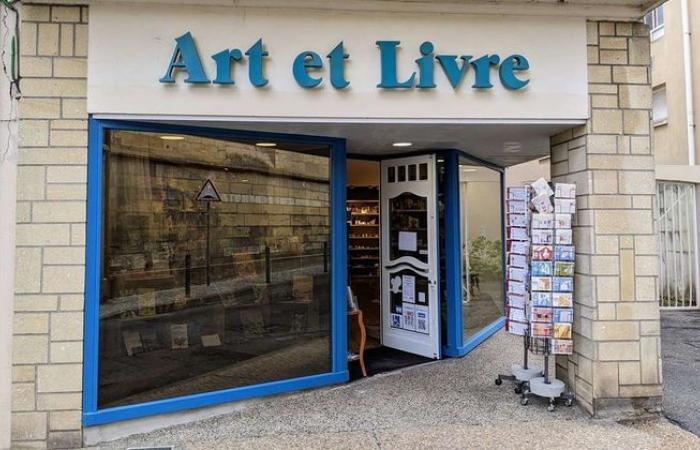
{"points": [[200, 295]]}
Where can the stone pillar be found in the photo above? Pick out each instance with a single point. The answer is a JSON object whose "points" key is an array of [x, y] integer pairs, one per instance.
{"points": [[51, 200], [616, 367]]}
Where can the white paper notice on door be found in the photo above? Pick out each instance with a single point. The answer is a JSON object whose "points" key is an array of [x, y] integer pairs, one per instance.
{"points": [[408, 241], [422, 318], [409, 289]]}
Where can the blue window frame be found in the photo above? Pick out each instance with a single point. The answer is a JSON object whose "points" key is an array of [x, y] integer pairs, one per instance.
{"points": [[456, 345], [92, 415]]}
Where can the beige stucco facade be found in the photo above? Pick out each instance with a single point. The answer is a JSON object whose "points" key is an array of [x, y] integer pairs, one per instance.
{"points": [[671, 136]]}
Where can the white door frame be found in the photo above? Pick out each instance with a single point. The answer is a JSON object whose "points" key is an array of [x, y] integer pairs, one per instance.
{"points": [[399, 335]]}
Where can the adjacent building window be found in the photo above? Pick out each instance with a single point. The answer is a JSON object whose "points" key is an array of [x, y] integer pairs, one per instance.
{"points": [[482, 247], [677, 228], [655, 20], [660, 106], [215, 265]]}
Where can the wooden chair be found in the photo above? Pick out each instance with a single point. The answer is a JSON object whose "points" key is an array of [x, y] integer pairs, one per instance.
{"points": [[355, 341]]}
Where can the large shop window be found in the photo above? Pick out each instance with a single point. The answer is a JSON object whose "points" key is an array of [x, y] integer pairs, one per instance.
{"points": [[215, 265], [482, 249]]}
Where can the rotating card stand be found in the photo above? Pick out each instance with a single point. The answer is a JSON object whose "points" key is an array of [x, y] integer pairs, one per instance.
{"points": [[546, 387], [521, 373]]}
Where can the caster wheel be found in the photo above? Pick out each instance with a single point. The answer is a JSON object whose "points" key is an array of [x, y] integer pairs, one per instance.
{"points": [[569, 402], [523, 401], [518, 390], [551, 407], [499, 382]]}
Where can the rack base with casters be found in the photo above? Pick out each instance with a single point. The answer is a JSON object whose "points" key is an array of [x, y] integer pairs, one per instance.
{"points": [[553, 390], [520, 376]]}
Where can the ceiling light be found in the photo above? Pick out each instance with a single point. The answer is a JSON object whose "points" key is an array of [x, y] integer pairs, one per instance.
{"points": [[464, 169], [266, 144], [402, 144], [172, 138]]}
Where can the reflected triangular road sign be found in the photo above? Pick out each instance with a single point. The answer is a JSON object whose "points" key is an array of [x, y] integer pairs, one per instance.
{"points": [[208, 193]]}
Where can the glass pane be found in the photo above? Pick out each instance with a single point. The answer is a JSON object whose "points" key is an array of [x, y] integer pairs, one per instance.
{"points": [[412, 172], [408, 227], [423, 171], [402, 174], [204, 295], [482, 249], [392, 174], [409, 295]]}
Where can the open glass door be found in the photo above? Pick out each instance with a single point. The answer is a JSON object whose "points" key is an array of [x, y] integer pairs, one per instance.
{"points": [[410, 304]]}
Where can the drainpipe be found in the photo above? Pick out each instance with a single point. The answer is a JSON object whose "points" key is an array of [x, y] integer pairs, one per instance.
{"points": [[688, 72], [9, 94]]}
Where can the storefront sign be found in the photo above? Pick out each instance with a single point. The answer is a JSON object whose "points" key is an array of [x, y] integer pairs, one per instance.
{"points": [[308, 67]]}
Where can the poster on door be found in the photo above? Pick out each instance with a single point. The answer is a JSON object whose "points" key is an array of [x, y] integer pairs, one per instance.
{"points": [[408, 292]]}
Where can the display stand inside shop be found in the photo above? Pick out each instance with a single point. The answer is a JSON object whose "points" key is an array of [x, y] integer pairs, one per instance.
{"points": [[540, 281]]}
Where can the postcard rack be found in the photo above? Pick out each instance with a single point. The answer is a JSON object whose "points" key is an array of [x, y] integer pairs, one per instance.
{"points": [[539, 283]]}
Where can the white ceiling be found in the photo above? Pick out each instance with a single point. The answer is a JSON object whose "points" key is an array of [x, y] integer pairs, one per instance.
{"points": [[501, 144]]}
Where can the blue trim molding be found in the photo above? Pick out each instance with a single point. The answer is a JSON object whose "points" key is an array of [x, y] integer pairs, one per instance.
{"points": [[92, 415]]}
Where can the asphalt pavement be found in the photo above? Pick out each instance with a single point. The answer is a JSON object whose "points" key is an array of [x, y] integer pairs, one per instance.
{"points": [[680, 347]]}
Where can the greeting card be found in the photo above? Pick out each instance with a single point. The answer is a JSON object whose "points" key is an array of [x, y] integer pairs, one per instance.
{"points": [[541, 283], [542, 269], [543, 237], [563, 269], [543, 299], [542, 221], [563, 299], [564, 253], [542, 252], [564, 190], [564, 237], [563, 284]]}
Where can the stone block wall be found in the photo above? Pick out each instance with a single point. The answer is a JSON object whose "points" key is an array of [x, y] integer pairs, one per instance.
{"points": [[48, 322], [616, 366]]}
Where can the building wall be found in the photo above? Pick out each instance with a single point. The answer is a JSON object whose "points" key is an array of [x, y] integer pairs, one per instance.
{"points": [[616, 366], [671, 140], [48, 332]]}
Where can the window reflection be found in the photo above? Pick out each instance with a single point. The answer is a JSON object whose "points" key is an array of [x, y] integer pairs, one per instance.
{"points": [[482, 250], [201, 295]]}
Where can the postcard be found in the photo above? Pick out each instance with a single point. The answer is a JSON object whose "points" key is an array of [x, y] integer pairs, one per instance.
{"points": [[519, 247], [518, 193], [517, 220], [516, 287], [147, 303], [541, 314], [149, 339], [515, 301], [563, 284], [562, 331], [543, 221], [564, 190], [542, 204], [517, 206], [564, 253], [565, 205], [542, 252], [562, 347], [541, 269], [518, 234], [517, 328], [541, 283], [543, 237], [178, 336], [563, 299], [396, 320], [563, 269], [562, 221], [515, 260], [564, 237], [541, 329], [541, 187], [517, 315], [542, 299], [516, 274], [564, 315]]}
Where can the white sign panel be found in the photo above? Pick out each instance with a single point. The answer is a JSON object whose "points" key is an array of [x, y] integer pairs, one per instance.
{"points": [[256, 63]]}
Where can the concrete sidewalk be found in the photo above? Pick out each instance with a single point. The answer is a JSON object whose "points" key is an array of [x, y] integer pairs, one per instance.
{"points": [[445, 404]]}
